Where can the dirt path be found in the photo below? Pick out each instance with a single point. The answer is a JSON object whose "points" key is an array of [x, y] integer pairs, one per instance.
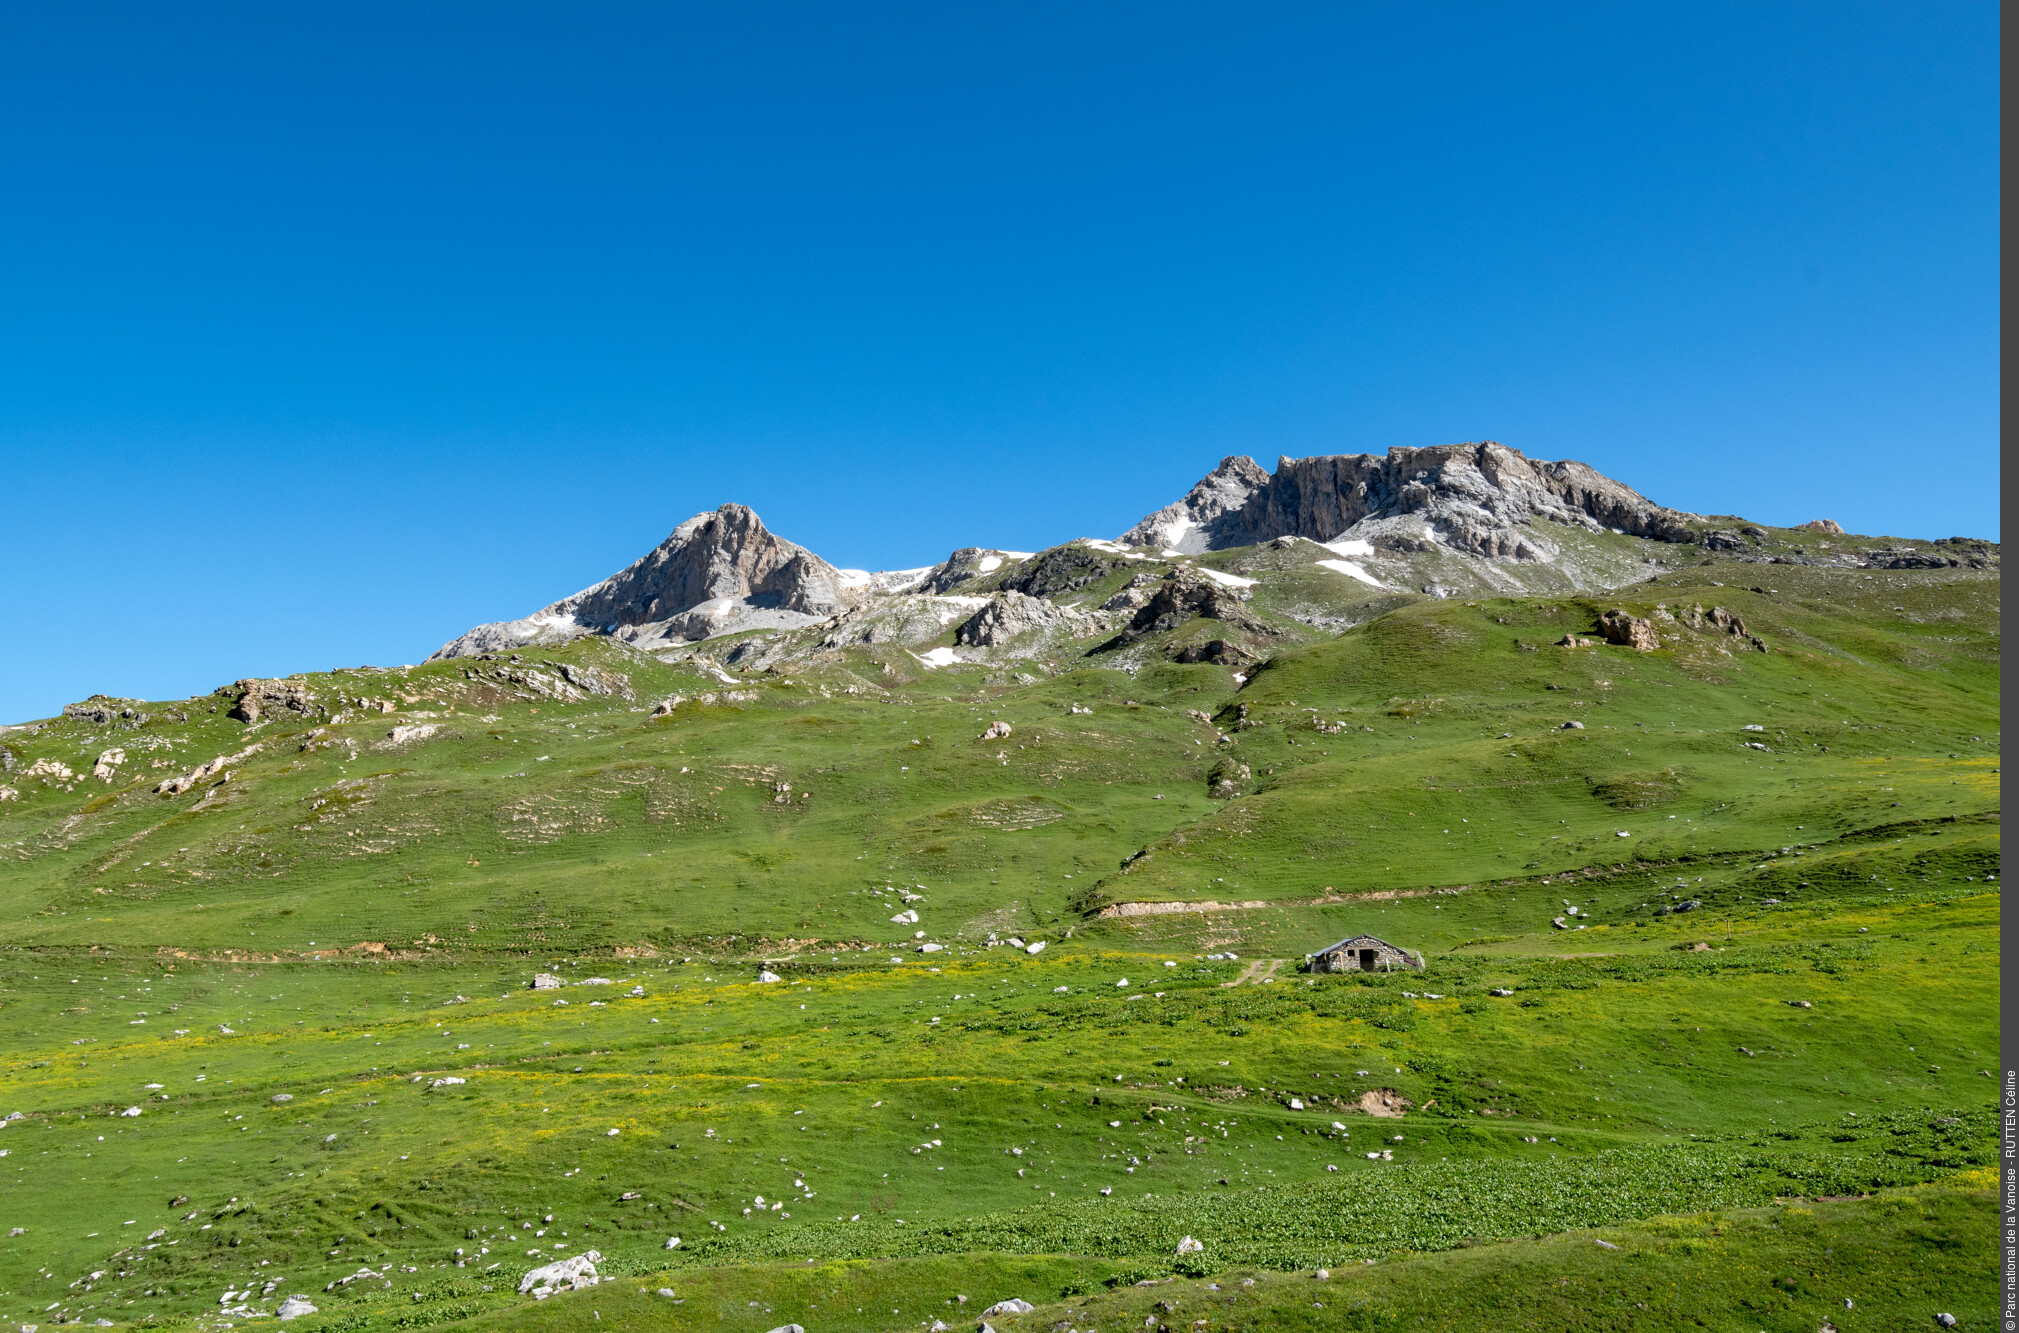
{"points": [[1257, 972]]}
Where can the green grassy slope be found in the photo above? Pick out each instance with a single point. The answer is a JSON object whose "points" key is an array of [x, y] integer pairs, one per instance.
{"points": [[300, 945]]}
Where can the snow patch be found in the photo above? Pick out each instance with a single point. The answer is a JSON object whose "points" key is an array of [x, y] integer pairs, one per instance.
{"points": [[1231, 580], [1101, 544], [1350, 548], [1351, 570], [991, 563], [938, 657]]}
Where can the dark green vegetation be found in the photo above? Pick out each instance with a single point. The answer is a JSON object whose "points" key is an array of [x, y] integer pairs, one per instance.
{"points": [[347, 914]]}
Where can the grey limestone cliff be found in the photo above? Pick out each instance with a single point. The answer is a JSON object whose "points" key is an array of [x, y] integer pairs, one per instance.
{"points": [[1477, 499]]}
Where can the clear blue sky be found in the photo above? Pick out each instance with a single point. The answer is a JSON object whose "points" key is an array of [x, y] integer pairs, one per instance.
{"points": [[327, 331]]}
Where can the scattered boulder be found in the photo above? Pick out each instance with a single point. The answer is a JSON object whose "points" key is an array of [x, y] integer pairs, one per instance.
{"points": [[1224, 782], [1629, 631], [767, 976], [665, 707], [1828, 525], [255, 699], [1571, 726], [294, 1307], [1574, 641], [1190, 1246], [1218, 652], [203, 772], [996, 730], [570, 1274], [546, 981], [1014, 1305]]}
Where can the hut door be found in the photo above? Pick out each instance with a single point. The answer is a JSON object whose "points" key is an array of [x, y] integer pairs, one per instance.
{"points": [[1366, 960]]}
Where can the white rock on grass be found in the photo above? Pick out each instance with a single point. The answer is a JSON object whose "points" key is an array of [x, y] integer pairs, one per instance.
{"points": [[672, 1242], [1035, 947], [448, 1082], [547, 981], [788, 1328], [570, 1274], [1190, 1246], [1014, 1305], [294, 1307], [767, 976]]}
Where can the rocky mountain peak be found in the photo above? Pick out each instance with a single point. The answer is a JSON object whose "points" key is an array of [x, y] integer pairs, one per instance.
{"points": [[1479, 499], [1186, 525], [717, 572]]}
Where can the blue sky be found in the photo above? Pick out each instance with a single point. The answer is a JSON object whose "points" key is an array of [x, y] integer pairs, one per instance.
{"points": [[327, 331]]}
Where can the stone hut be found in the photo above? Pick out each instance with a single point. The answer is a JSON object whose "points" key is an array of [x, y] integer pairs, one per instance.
{"points": [[1363, 953]]}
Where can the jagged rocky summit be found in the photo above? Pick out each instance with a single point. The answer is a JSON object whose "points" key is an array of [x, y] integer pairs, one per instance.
{"points": [[715, 574], [1478, 499]]}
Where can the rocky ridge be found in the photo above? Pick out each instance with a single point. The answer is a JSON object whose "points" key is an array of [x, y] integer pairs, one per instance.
{"points": [[1477, 499], [1326, 537]]}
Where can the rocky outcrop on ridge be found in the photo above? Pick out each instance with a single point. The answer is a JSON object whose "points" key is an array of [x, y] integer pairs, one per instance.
{"points": [[1476, 499], [1182, 595], [718, 572], [1185, 526], [966, 565], [1010, 615]]}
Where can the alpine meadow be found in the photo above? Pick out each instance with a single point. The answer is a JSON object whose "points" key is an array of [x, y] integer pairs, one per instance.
{"points": [[1432, 890]]}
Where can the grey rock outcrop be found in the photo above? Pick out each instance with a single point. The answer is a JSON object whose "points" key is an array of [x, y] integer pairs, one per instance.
{"points": [[717, 572], [1011, 615], [1185, 526], [1186, 593], [261, 698], [1628, 631], [1475, 499], [1063, 569], [966, 565]]}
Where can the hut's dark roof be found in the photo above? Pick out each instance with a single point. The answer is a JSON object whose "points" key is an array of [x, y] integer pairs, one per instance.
{"points": [[1360, 941]]}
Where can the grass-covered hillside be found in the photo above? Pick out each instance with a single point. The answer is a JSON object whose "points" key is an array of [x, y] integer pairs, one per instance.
{"points": [[1709, 934]]}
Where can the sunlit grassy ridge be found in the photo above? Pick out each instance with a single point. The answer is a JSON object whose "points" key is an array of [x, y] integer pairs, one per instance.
{"points": [[301, 945]]}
